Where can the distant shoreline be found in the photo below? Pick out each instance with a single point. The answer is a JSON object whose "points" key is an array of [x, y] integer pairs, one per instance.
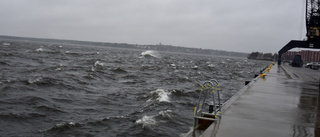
{"points": [[159, 47]]}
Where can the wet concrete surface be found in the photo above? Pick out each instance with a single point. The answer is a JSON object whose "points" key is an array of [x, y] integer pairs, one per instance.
{"points": [[304, 74], [275, 106]]}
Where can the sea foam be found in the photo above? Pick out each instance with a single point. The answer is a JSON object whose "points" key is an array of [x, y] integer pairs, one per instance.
{"points": [[161, 95]]}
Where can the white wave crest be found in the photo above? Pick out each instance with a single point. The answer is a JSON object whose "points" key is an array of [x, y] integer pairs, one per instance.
{"points": [[98, 63], [195, 67], [161, 95], [211, 65], [151, 120], [150, 53], [32, 81], [146, 121], [39, 50], [166, 113]]}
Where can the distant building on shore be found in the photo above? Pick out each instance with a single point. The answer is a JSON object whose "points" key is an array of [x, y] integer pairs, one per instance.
{"points": [[306, 55]]}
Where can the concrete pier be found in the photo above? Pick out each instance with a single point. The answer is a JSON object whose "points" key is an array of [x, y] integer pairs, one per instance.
{"points": [[283, 104]]}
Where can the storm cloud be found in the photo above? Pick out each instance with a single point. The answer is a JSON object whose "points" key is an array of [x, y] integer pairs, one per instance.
{"points": [[232, 25]]}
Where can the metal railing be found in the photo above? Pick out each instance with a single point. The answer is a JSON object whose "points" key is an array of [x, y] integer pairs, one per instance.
{"points": [[209, 96]]}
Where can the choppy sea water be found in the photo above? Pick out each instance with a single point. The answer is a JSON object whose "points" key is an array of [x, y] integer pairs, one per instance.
{"points": [[71, 90]]}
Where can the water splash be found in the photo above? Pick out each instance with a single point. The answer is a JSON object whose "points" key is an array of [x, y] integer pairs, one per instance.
{"points": [[149, 121], [146, 121], [161, 95], [99, 64], [39, 50], [150, 53]]}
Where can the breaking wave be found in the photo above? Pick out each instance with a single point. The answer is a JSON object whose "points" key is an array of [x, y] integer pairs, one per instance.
{"points": [[160, 95], [99, 91], [161, 117], [150, 53]]}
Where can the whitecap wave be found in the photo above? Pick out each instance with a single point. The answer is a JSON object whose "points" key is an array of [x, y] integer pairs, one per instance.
{"points": [[6, 44], [166, 113], [195, 67], [39, 50], [161, 95], [146, 121], [44, 50], [211, 65], [150, 53], [35, 80], [99, 64]]}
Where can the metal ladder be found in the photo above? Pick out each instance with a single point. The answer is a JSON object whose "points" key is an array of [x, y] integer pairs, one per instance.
{"points": [[203, 119]]}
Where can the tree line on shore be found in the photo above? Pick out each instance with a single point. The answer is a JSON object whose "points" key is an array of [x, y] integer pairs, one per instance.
{"points": [[263, 56]]}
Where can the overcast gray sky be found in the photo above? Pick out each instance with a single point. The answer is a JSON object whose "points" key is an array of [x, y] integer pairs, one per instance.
{"points": [[232, 25]]}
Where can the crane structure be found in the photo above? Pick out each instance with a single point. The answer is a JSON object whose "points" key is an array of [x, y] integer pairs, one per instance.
{"points": [[313, 30]]}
